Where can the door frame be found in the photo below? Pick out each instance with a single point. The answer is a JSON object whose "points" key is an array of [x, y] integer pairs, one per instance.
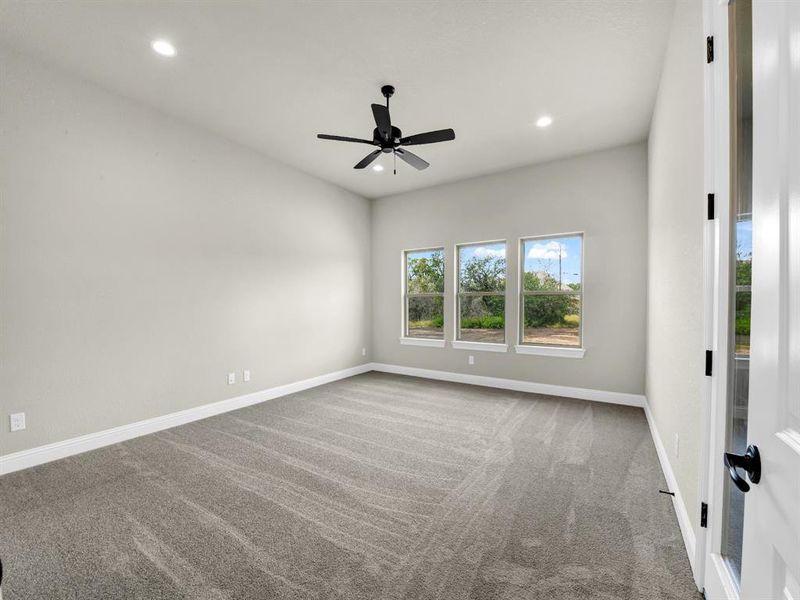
{"points": [[711, 573]]}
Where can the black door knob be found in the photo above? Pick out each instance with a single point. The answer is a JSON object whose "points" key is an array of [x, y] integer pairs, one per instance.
{"points": [[749, 462]]}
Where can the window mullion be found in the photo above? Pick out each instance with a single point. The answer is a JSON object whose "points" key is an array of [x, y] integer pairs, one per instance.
{"points": [[551, 292]]}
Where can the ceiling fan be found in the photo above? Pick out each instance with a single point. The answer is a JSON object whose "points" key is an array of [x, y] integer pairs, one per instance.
{"points": [[390, 138]]}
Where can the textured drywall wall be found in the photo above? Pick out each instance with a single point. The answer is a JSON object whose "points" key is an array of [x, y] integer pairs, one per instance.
{"points": [[143, 259], [603, 194], [676, 207]]}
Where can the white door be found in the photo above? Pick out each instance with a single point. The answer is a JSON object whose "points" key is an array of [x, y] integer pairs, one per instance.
{"points": [[771, 546], [752, 550]]}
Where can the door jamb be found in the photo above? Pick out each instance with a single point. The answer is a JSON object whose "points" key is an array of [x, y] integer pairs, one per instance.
{"points": [[716, 282]]}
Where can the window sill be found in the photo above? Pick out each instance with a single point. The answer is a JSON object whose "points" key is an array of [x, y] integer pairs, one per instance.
{"points": [[550, 351], [479, 346], [430, 343]]}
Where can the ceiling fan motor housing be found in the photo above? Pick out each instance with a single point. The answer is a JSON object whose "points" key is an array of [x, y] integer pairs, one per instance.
{"points": [[387, 145]]}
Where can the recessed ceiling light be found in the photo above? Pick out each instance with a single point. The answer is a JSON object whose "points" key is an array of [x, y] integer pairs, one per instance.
{"points": [[378, 168], [544, 121], [163, 47]]}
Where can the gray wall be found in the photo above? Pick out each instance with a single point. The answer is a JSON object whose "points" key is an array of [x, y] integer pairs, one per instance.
{"points": [[675, 238], [603, 194], [142, 259]]}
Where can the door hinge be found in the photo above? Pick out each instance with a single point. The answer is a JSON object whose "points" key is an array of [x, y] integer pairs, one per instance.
{"points": [[703, 514], [711, 210], [710, 49], [709, 362]]}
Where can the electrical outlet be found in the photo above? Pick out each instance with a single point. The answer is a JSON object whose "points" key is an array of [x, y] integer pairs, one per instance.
{"points": [[231, 378], [17, 421], [471, 359], [245, 375], [363, 352], [677, 443]]}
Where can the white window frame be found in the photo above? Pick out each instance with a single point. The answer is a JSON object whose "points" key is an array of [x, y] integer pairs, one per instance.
{"points": [[404, 338], [458, 343], [541, 349]]}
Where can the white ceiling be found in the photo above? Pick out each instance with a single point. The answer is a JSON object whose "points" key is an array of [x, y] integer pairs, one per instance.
{"points": [[271, 75]]}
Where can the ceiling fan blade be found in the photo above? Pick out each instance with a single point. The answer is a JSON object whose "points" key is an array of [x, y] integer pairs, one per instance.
{"points": [[368, 159], [431, 137], [412, 159], [340, 138], [382, 120]]}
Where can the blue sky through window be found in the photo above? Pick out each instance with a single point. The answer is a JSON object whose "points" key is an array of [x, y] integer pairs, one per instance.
{"points": [[465, 253], [551, 254], [744, 239], [543, 254], [421, 254]]}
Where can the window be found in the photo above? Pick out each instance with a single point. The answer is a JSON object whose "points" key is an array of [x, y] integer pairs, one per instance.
{"points": [[482, 292], [550, 291], [424, 294]]}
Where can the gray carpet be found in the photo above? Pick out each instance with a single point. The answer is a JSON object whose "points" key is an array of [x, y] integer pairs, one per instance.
{"points": [[374, 487]]}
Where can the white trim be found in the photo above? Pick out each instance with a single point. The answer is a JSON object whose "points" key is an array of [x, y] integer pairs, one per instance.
{"points": [[723, 586], [479, 346], [431, 343], [550, 351], [42, 454], [50, 452], [684, 521], [425, 249], [710, 571], [516, 385], [791, 438], [25, 459]]}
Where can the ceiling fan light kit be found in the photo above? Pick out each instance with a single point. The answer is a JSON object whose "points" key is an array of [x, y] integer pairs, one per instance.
{"points": [[389, 138]]}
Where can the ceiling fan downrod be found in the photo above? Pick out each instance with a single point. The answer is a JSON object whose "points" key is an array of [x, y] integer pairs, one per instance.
{"points": [[388, 92]]}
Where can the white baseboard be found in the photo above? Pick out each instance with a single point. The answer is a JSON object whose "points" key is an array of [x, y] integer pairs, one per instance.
{"points": [[516, 385], [684, 521], [43, 454], [50, 452], [638, 400]]}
